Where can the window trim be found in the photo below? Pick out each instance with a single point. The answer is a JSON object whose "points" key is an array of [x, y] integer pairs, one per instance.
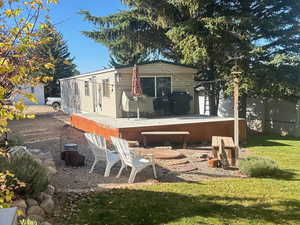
{"points": [[155, 78]]}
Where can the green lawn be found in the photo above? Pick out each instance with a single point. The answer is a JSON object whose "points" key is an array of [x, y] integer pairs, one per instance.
{"points": [[228, 201]]}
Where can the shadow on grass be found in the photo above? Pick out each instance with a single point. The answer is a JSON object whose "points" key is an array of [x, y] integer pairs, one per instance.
{"points": [[269, 140], [285, 175], [140, 207]]}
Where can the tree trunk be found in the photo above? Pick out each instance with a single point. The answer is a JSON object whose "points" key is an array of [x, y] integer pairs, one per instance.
{"points": [[214, 90], [243, 106], [213, 101]]}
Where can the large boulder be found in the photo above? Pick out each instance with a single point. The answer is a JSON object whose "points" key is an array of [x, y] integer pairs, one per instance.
{"points": [[36, 211], [31, 202], [21, 204], [43, 196], [48, 205]]}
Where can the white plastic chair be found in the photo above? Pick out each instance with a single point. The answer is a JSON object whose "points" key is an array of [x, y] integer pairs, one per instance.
{"points": [[101, 153], [128, 158]]}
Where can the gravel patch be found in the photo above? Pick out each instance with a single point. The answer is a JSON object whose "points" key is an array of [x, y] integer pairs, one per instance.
{"points": [[50, 130]]}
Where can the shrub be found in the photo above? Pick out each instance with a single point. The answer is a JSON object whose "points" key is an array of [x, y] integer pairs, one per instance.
{"points": [[258, 167], [15, 139], [10, 140], [29, 171], [28, 222]]}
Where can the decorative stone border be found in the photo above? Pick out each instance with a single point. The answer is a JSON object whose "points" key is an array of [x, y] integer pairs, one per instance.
{"points": [[44, 158], [43, 206]]}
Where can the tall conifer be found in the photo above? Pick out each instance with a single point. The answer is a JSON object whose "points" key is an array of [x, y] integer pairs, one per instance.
{"points": [[56, 51], [262, 36]]}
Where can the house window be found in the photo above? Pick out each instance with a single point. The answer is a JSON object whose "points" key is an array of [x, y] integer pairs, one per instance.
{"points": [[86, 88], [32, 89], [148, 86], [105, 84], [156, 86]]}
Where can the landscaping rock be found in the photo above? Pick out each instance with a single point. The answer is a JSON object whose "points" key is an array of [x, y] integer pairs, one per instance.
{"points": [[50, 190], [48, 163], [31, 202], [48, 205], [36, 210], [21, 204], [45, 156], [43, 196], [51, 171], [35, 151], [18, 150]]}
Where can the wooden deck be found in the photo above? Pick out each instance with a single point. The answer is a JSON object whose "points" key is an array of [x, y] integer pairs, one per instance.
{"points": [[200, 128]]}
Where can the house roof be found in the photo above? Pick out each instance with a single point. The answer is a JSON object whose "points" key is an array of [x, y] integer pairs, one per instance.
{"points": [[127, 66], [157, 61]]}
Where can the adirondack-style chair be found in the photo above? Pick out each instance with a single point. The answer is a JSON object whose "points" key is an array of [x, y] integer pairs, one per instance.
{"points": [[101, 153], [128, 158]]}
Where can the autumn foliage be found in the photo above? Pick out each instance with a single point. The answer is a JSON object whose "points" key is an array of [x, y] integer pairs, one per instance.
{"points": [[21, 25]]}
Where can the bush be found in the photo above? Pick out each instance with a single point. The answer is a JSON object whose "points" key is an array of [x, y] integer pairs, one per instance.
{"points": [[29, 171], [258, 167], [28, 222], [15, 139], [10, 140]]}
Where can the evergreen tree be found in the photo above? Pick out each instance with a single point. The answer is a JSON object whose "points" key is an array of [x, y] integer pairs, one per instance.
{"points": [[125, 57], [263, 35], [55, 51], [129, 37]]}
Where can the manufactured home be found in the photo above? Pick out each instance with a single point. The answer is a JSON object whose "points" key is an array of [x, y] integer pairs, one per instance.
{"points": [[102, 103], [107, 92]]}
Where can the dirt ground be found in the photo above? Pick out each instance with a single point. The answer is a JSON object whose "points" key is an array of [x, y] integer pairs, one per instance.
{"points": [[50, 130]]}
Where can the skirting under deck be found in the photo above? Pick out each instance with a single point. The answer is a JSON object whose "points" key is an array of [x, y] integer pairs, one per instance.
{"points": [[201, 128]]}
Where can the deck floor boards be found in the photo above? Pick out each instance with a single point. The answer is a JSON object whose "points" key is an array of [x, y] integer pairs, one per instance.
{"points": [[144, 122]]}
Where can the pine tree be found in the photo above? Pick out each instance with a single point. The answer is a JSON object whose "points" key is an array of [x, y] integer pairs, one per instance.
{"points": [[125, 57], [129, 37], [263, 36], [55, 50]]}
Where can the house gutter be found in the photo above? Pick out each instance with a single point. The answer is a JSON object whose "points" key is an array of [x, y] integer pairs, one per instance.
{"points": [[89, 74]]}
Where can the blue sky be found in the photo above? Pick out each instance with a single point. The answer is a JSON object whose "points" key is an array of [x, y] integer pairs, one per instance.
{"points": [[89, 55]]}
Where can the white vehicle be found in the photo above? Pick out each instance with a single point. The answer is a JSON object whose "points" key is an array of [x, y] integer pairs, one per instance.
{"points": [[54, 102]]}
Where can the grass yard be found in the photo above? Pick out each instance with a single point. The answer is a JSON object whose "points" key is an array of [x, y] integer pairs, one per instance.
{"points": [[228, 201]]}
